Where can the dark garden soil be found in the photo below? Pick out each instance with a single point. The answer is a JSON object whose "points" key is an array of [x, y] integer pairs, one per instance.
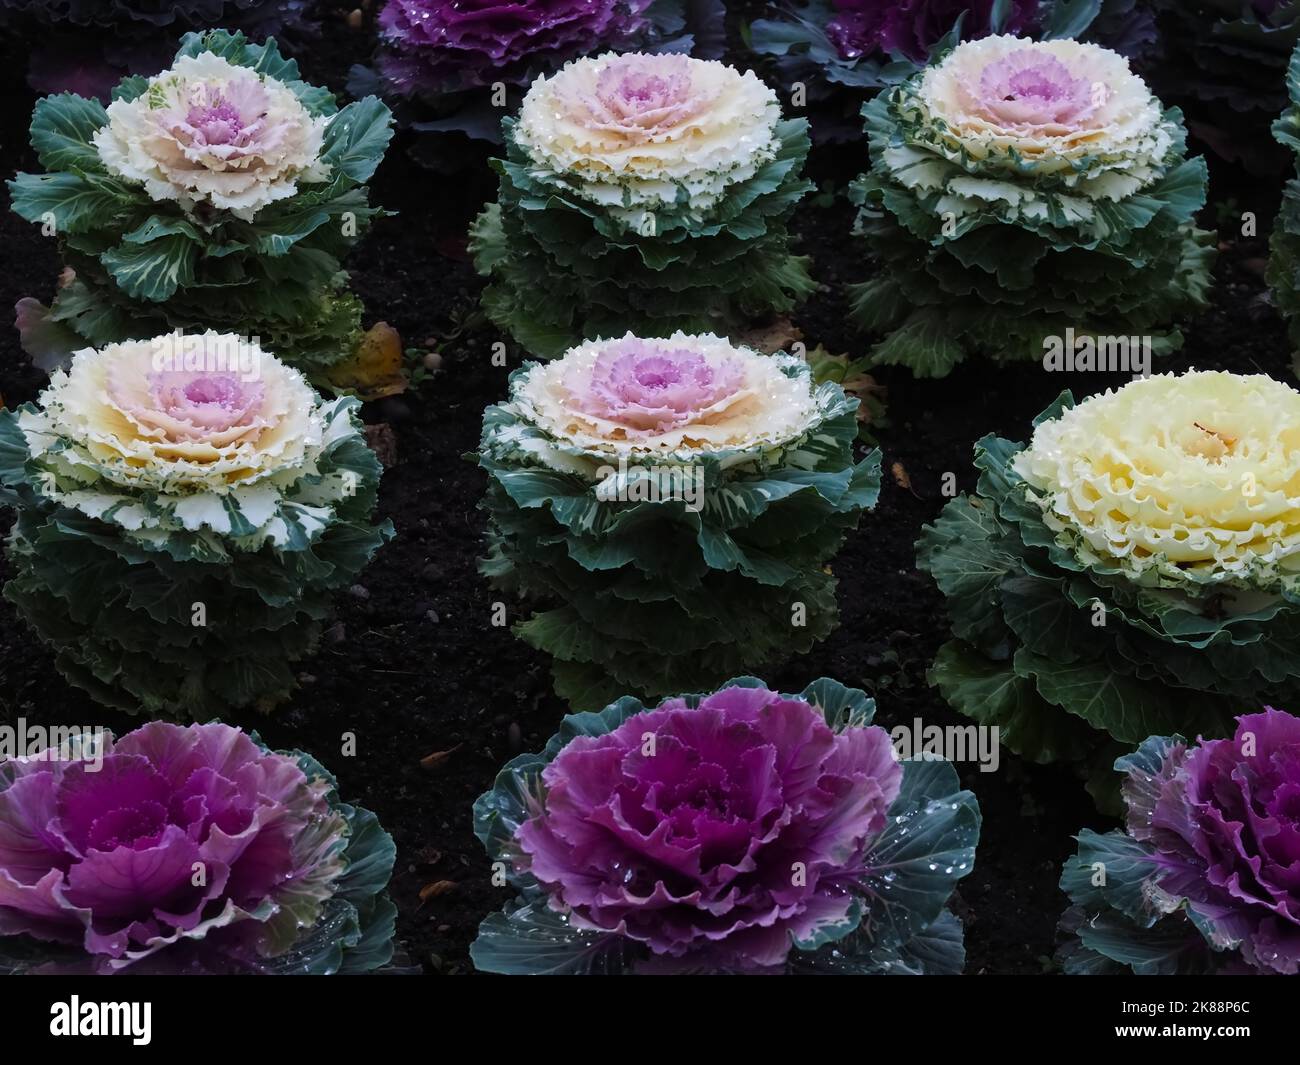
{"points": [[438, 698]]}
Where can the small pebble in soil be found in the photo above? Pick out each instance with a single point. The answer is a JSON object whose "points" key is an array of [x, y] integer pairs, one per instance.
{"points": [[359, 591], [432, 617], [514, 736], [336, 634], [431, 572]]}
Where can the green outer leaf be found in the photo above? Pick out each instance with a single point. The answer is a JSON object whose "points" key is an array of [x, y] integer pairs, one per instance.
{"points": [[62, 128], [927, 846], [152, 271], [357, 137], [533, 940], [994, 695], [76, 204], [1123, 862]]}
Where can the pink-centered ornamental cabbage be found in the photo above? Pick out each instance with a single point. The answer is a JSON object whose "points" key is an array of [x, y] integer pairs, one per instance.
{"points": [[680, 395], [637, 130], [186, 848], [717, 835], [210, 133]]}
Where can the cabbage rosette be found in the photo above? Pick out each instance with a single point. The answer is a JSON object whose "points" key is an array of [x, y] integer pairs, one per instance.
{"points": [[223, 192], [439, 61], [668, 507], [739, 831], [1203, 876], [1133, 571], [184, 514], [188, 850], [642, 192], [1019, 189]]}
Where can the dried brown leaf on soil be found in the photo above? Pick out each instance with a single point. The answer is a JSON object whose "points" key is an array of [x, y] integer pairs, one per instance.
{"points": [[376, 369]]}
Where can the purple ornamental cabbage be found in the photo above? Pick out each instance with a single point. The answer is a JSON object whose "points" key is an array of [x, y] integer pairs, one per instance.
{"points": [[726, 832], [913, 27], [1206, 875], [1223, 819], [689, 848], [190, 849], [449, 45]]}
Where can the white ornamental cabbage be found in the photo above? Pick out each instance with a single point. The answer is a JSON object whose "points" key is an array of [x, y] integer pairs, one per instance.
{"points": [[633, 130], [203, 432], [1000, 116]]}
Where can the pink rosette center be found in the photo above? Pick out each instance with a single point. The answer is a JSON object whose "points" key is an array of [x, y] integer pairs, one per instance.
{"points": [[1027, 89], [200, 403], [641, 97], [231, 117], [649, 388]]}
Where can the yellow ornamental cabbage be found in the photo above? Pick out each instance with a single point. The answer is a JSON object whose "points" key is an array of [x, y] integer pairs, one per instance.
{"points": [[1194, 477]]}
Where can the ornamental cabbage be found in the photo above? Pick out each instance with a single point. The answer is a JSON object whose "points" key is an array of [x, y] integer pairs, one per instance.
{"points": [[740, 831], [642, 192], [1134, 571], [221, 192], [704, 485], [99, 852], [1019, 189], [186, 506], [216, 136], [1205, 876]]}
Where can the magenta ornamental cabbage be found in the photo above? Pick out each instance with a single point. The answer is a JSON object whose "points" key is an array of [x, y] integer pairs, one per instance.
{"points": [[446, 45], [913, 27], [726, 833], [188, 849], [1206, 875]]}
